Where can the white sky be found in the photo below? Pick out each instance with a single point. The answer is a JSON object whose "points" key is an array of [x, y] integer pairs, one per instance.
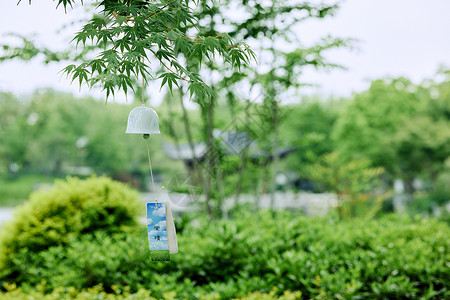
{"points": [[397, 37]]}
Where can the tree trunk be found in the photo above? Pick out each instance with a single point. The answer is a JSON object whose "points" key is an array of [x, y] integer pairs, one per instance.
{"points": [[240, 177], [219, 184], [197, 174], [243, 161], [172, 131], [210, 154], [273, 99], [274, 153], [409, 186]]}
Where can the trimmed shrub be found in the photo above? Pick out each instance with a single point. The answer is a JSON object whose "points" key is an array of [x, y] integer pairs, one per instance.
{"points": [[71, 208], [258, 255], [98, 292]]}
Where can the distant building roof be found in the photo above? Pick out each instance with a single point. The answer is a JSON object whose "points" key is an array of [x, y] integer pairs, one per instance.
{"points": [[184, 152], [233, 143]]}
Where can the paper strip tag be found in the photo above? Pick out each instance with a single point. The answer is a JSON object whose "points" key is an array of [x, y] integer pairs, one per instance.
{"points": [[171, 232], [157, 231]]}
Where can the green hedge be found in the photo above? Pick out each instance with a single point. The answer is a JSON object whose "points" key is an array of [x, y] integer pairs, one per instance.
{"points": [[71, 208], [98, 293], [83, 234], [391, 257]]}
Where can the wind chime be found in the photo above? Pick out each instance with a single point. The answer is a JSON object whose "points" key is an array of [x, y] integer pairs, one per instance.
{"points": [[162, 238]]}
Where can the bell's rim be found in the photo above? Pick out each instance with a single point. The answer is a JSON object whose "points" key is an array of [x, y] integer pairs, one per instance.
{"points": [[142, 132]]}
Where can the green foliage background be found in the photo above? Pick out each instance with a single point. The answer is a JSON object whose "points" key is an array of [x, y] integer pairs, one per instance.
{"points": [[70, 208], [389, 257], [399, 126], [82, 239]]}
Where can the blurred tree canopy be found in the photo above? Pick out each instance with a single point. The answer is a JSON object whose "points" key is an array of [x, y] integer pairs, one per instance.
{"points": [[192, 40], [307, 126], [53, 133], [402, 127], [395, 125]]}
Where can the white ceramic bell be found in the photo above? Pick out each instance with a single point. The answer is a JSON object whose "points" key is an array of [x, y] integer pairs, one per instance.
{"points": [[143, 120]]}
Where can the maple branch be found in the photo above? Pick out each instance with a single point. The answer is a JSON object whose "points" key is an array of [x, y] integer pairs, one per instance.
{"points": [[169, 69]]}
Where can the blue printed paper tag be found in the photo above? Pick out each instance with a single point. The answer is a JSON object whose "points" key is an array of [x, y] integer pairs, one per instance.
{"points": [[157, 231]]}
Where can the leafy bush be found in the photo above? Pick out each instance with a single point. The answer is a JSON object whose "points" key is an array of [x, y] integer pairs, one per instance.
{"points": [[255, 256], [353, 181], [98, 292], [71, 208]]}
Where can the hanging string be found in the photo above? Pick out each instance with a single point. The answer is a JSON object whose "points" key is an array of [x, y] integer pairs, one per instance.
{"points": [[151, 171], [146, 137]]}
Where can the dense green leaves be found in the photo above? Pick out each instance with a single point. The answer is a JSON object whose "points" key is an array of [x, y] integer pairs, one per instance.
{"points": [[56, 133], [136, 33], [126, 37], [352, 181], [308, 127], [71, 208], [391, 257], [398, 125]]}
